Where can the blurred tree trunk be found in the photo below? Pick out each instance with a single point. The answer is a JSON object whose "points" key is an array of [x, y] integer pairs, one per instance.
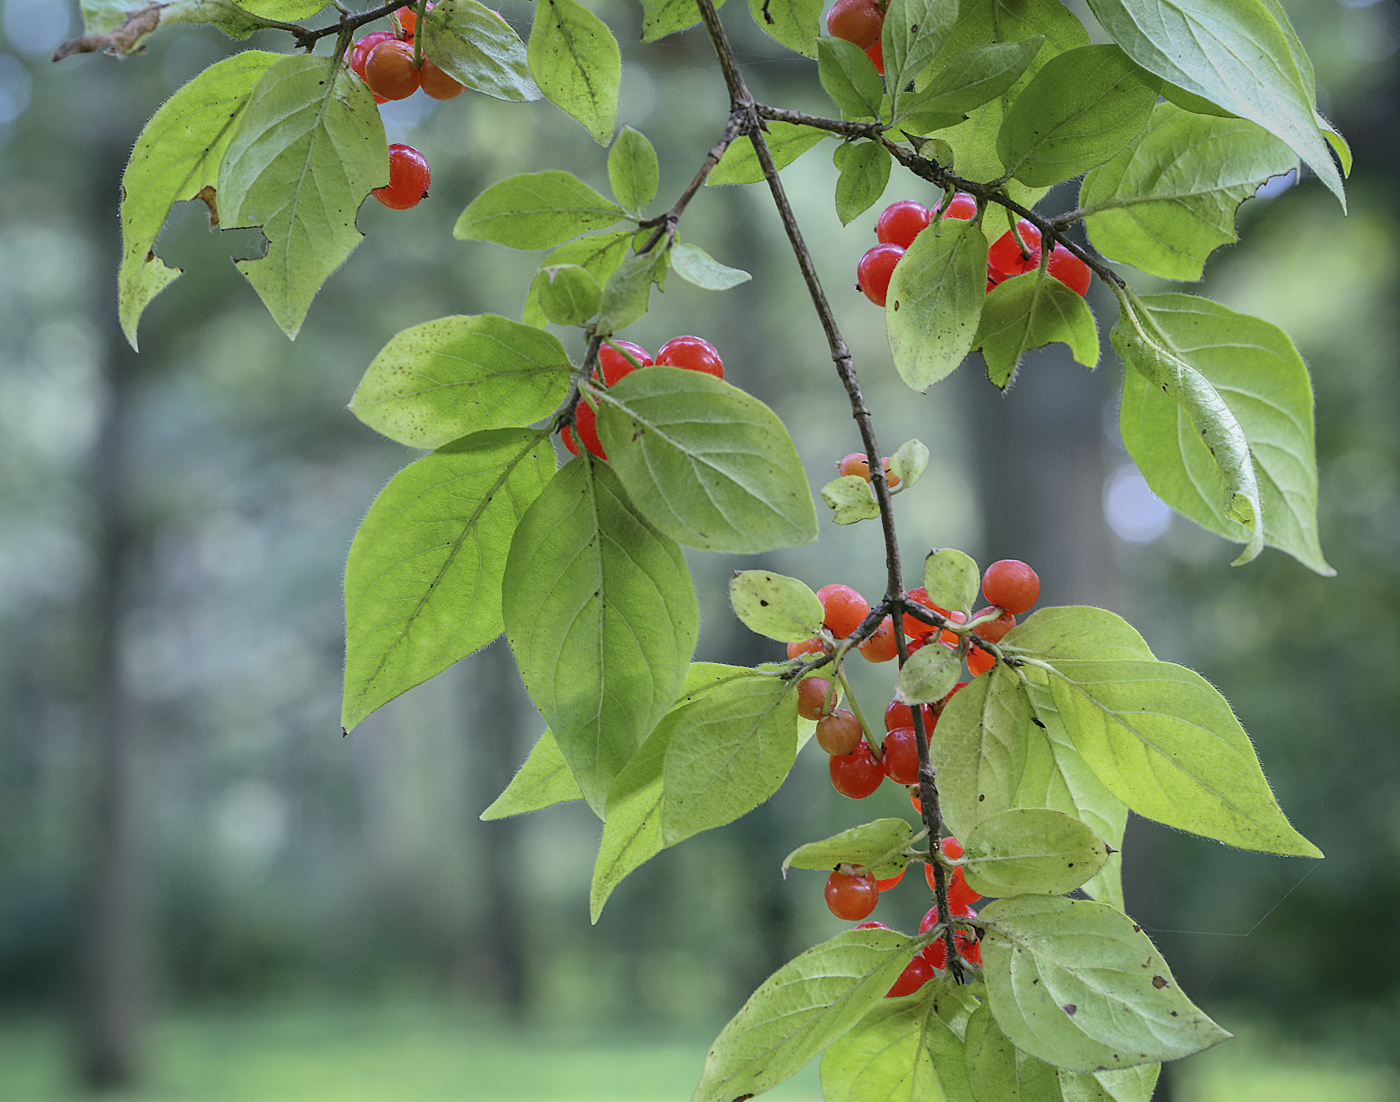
{"points": [[112, 958]]}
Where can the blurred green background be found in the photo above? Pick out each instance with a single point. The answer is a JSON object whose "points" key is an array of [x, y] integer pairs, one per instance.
{"points": [[207, 893]]}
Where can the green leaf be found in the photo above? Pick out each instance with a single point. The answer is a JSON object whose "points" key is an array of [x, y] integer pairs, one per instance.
{"points": [[935, 301], [909, 462], [663, 17], [633, 171], [793, 23], [951, 579], [878, 847], [1234, 489], [1000, 1071], [775, 606], [577, 64], [1105, 999], [536, 210], [1030, 311], [987, 22], [1031, 850], [477, 48], [799, 1010], [1168, 745], [786, 142], [1167, 202], [1076, 631], [602, 616], [632, 830], [569, 295], [627, 293], [307, 150], [285, 10], [730, 750], [929, 675], [694, 265], [1258, 374], [441, 380], [1082, 108], [1243, 62], [849, 77], [865, 171], [423, 580], [911, 35], [598, 254], [709, 465], [543, 781], [176, 158], [974, 77], [851, 499], [886, 1057]]}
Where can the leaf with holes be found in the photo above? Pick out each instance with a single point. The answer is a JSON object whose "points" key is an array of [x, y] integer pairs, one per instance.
{"points": [[308, 149]]}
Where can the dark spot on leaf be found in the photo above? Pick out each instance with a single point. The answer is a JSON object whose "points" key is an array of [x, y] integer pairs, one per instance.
{"points": [[1037, 723], [1174, 1014], [1101, 1068], [1158, 982], [1070, 1009], [1071, 864], [762, 604], [1035, 981], [1136, 928], [981, 798], [913, 29]]}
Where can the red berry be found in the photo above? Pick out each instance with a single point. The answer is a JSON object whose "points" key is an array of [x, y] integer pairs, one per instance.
{"points": [[850, 896], [886, 885], [961, 205], [613, 365], [901, 756], [876, 54], [917, 629], [586, 425], [856, 774], [1012, 585], [359, 53], [839, 733], [881, 646], [960, 892], [1005, 258], [994, 630], [811, 697], [857, 21], [845, 608], [952, 849], [1069, 270], [916, 973], [966, 942], [437, 84], [389, 70], [855, 464], [979, 661], [872, 925], [875, 269], [901, 222], [899, 714], [691, 354], [405, 21], [408, 178], [807, 646]]}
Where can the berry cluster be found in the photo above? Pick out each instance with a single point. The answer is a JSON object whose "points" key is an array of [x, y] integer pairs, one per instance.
{"points": [[851, 893], [858, 766], [859, 21], [621, 358], [1011, 254], [385, 60]]}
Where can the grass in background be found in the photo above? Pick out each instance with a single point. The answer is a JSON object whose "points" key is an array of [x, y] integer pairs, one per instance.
{"points": [[424, 1053]]}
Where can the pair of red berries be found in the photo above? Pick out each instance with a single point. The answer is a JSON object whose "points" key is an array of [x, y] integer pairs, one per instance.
{"points": [[904, 220], [859, 21], [687, 353], [385, 61], [845, 610]]}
